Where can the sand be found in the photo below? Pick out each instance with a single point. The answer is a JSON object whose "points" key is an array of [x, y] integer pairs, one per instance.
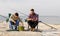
{"points": [[46, 31]]}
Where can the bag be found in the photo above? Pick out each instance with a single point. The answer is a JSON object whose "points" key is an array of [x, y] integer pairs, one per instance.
{"points": [[21, 28]]}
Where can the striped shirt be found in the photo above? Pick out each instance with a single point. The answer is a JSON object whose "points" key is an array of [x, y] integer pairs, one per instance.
{"points": [[14, 18], [34, 17]]}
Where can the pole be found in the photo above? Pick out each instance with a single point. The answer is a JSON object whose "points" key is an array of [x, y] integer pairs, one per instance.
{"points": [[48, 25]]}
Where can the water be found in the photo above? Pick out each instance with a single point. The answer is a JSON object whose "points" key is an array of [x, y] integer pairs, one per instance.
{"points": [[46, 19], [50, 19]]}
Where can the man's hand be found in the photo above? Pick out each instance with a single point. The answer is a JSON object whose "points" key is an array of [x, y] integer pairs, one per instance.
{"points": [[14, 22], [29, 19], [22, 23]]}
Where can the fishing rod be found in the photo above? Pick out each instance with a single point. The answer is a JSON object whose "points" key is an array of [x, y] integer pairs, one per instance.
{"points": [[39, 21], [20, 12], [48, 25], [3, 16]]}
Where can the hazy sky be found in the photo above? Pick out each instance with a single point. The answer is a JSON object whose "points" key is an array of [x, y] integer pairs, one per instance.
{"points": [[42, 7]]}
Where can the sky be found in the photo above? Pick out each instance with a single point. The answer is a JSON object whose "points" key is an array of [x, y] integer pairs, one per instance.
{"points": [[42, 7]]}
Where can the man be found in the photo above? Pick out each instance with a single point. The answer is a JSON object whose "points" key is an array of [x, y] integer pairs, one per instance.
{"points": [[32, 20], [14, 21]]}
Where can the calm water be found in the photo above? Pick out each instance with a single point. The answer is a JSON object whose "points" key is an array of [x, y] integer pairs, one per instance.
{"points": [[50, 19], [46, 19]]}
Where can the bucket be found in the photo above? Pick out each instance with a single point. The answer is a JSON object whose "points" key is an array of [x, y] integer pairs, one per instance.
{"points": [[21, 28]]}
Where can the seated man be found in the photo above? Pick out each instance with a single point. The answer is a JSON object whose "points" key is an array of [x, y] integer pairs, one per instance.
{"points": [[32, 20], [14, 21]]}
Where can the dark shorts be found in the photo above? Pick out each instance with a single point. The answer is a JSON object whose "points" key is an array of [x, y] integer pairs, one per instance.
{"points": [[33, 24]]}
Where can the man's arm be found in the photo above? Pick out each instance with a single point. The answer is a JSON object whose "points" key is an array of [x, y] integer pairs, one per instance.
{"points": [[37, 17], [21, 21], [29, 19]]}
